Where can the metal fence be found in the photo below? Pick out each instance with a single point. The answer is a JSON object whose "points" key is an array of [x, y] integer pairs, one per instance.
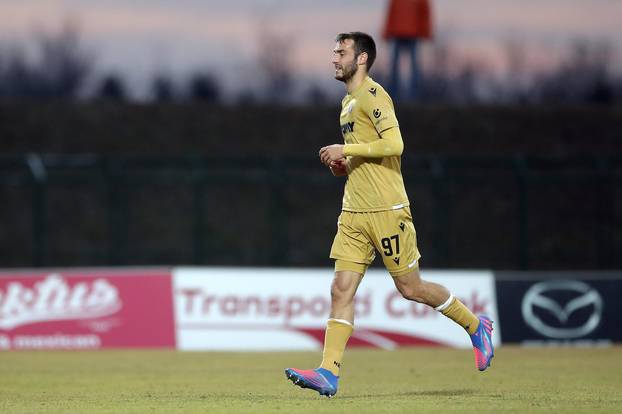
{"points": [[504, 213]]}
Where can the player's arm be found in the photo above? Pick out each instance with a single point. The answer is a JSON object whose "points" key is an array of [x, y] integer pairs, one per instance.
{"points": [[381, 113], [389, 144]]}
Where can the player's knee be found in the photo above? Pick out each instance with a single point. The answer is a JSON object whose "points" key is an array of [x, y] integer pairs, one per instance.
{"points": [[411, 286], [414, 290], [337, 294], [340, 292]]}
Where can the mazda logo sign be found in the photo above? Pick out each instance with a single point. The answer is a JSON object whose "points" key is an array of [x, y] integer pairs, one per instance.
{"points": [[541, 296]]}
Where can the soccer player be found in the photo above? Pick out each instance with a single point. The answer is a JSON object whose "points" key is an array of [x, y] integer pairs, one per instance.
{"points": [[375, 216]]}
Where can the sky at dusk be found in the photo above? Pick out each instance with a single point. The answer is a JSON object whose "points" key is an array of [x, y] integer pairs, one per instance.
{"points": [[142, 37]]}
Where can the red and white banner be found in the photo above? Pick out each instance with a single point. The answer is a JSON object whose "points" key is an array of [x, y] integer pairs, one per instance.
{"points": [[221, 309], [86, 309], [286, 309]]}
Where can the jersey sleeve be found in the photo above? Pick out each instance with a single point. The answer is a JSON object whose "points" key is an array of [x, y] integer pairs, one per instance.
{"points": [[390, 144], [380, 111]]}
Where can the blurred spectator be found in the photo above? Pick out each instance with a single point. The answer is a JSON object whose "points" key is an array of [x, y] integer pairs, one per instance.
{"points": [[276, 67], [163, 88], [204, 87], [112, 88], [408, 22]]}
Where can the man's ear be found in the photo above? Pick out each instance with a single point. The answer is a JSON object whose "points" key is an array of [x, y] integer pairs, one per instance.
{"points": [[362, 59]]}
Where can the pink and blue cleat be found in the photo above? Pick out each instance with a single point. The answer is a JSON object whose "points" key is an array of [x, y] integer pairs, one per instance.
{"points": [[319, 379], [482, 343]]}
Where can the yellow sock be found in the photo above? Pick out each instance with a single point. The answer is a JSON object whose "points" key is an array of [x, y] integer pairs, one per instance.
{"points": [[338, 332], [457, 312]]}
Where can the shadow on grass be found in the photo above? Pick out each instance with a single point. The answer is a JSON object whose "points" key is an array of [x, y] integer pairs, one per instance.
{"points": [[428, 393], [307, 394]]}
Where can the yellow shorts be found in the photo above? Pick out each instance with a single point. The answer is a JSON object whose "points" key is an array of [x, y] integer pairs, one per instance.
{"points": [[391, 233]]}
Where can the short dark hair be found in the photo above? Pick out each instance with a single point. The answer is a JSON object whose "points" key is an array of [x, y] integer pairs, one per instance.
{"points": [[363, 43]]}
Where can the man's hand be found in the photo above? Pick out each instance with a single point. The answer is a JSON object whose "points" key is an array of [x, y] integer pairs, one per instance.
{"points": [[339, 167], [331, 153]]}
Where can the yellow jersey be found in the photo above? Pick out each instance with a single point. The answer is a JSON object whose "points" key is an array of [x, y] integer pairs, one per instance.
{"points": [[373, 184]]}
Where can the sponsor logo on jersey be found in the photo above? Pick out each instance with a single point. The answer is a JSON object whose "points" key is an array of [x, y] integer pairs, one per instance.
{"points": [[347, 127], [377, 113], [348, 108], [372, 91]]}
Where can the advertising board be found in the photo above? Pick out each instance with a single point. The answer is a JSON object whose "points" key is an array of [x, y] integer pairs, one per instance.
{"points": [[560, 308], [287, 309], [86, 309]]}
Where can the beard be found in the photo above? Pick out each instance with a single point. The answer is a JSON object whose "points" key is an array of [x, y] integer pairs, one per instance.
{"points": [[347, 72]]}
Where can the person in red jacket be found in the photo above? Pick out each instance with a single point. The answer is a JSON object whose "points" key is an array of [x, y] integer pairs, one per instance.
{"points": [[408, 21]]}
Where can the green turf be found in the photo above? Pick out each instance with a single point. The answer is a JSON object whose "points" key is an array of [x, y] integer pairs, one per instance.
{"points": [[417, 380]]}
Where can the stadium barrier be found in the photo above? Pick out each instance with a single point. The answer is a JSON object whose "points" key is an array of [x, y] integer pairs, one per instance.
{"points": [[269, 309], [231, 309], [86, 309], [560, 308], [126, 199]]}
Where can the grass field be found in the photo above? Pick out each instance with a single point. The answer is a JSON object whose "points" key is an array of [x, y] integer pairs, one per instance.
{"points": [[415, 380]]}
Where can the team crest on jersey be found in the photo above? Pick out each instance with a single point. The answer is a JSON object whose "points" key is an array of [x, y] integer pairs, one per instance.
{"points": [[349, 108], [377, 113], [372, 91]]}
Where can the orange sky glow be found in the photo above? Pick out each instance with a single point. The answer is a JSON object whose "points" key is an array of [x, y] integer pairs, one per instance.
{"points": [[143, 37]]}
